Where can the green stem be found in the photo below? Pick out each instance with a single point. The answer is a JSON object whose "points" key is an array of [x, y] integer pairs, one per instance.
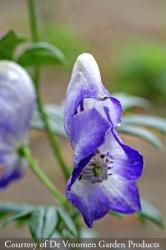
{"points": [[52, 138], [33, 20], [25, 152], [50, 133]]}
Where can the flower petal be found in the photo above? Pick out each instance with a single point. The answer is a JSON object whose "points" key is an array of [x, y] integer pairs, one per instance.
{"points": [[17, 100], [94, 200], [110, 108], [11, 168], [115, 111], [90, 199], [123, 194], [127, 161], [87, 133], [86, 83]]}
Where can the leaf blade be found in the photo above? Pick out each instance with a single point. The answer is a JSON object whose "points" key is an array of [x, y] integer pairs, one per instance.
{"points": [[55, 116], [129, 101], [146, 120], [141, 133], [15, 217], [68, 221], [42, 222], [8, 44], [40, 53], [10, 207], [150, 213]]}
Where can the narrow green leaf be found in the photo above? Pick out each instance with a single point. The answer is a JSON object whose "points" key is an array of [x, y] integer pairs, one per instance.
{"points": [[43, 222], [128, 101], [36, 222], [66, 233], [66, 218], [55, 115], [146, 120], [15, 217], [40, 53], [51, 220], [55, 235], [3, 214], [149, 212], [141, 133], [10, 207], [8, 44]]}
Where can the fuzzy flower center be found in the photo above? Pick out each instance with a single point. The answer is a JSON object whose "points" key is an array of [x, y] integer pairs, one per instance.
{"points": [[98, 168]]}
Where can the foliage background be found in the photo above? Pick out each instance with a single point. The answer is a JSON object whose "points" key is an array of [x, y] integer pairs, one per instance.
{"points": [[116, 33]]}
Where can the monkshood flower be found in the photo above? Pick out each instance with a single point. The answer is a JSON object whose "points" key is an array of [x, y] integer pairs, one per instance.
{"points": [[17, 101], [105, 168]]}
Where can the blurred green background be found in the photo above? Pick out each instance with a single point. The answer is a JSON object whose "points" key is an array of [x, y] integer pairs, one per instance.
{"points": [[128, 40]]}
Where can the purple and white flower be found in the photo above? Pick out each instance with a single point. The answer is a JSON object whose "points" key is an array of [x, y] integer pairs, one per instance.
{"points": [[105, 168], [17, 102]]}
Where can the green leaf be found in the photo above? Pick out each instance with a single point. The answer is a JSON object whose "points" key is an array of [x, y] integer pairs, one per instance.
{"points": [[8, 44], [55, 115], [9, 207], [66, 218], [141, 133], [66, 233], [43, 222], [149, 212], [40, 53], [15, 217], [2, 214], [128, 101], [56, 234], [146, 120]]}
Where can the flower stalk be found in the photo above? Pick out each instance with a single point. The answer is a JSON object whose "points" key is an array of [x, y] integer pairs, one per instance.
{"points": [[50, 133], [25, 152]]}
